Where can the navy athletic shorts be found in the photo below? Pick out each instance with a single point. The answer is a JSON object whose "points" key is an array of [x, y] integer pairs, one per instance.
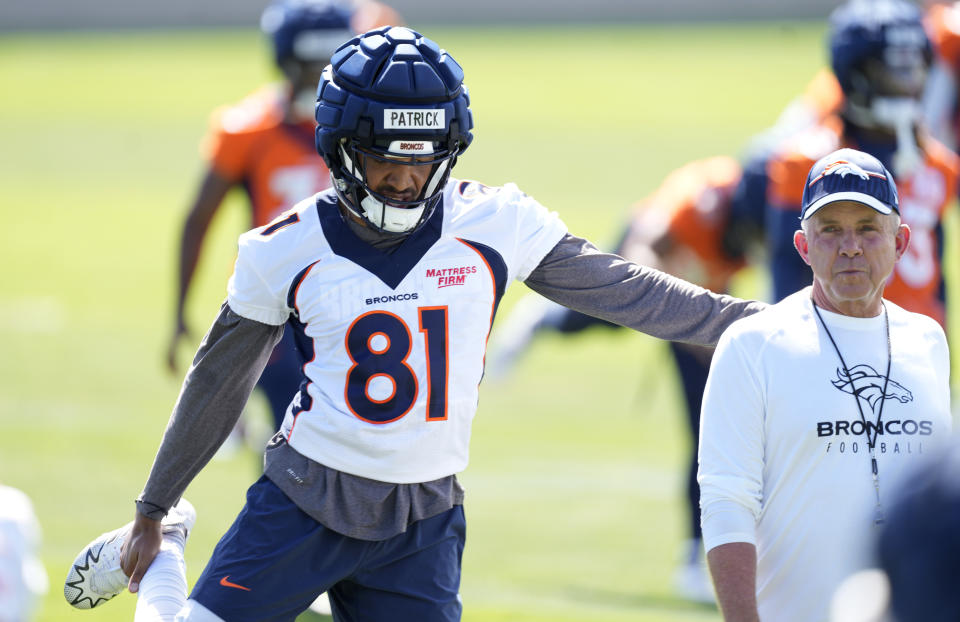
{"points": [[275, 560]]}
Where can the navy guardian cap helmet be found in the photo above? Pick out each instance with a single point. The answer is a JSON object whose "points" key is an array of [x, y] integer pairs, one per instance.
{"points": [[887, 34], [849, 175], [306, 30], [391, 93]]}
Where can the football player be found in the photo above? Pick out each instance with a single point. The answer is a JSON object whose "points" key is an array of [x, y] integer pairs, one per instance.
{"points": [[264, 145], [23, 580], [389, 282], [681, 228], [880, 56], [940, 100]]}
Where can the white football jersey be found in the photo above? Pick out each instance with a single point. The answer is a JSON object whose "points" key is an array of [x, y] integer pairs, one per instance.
{"points": [[395, 342]]}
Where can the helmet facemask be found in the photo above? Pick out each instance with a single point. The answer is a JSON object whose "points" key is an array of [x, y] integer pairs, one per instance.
{"points": [[392, 98], [886, 95], [390, 214]]}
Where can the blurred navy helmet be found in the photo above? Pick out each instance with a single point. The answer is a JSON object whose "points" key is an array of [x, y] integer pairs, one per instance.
{"points": [[391, 94], [849, 175], [306, 31], [878, 46], [919, 546]]}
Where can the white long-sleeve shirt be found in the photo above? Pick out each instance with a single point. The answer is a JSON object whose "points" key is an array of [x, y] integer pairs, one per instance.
{"points": [[784, 460]]}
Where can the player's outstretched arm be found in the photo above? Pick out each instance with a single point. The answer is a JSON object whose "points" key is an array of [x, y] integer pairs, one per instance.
{"points": [[577, 275], [226, 368]]}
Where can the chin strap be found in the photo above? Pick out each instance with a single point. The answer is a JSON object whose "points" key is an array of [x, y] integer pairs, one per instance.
{"points": [[390, 218]]}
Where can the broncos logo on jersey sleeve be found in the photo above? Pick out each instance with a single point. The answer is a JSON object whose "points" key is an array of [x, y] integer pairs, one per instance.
{"points": [[469, 190]]}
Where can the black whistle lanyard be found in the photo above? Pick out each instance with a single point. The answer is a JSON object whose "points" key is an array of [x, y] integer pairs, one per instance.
{"points": [[871, 442]]}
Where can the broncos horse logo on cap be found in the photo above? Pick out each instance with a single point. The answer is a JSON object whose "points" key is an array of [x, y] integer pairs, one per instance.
{"points": [[844, 168]]}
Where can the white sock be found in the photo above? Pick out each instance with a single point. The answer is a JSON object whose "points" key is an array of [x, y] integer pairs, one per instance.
{"points": [[195, 612], [163, 589]]}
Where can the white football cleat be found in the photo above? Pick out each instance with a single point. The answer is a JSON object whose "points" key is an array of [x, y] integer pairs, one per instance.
{"points": [[95, 576]]}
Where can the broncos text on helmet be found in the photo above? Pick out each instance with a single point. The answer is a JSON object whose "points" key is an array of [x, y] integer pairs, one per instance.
{"points": [[391, 94]]}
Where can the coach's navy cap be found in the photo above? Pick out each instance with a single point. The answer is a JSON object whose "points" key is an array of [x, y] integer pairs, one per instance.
{"points": [[849, 175]]}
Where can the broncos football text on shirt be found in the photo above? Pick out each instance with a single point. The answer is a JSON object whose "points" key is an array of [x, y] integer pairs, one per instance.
{"points": [[395, 351]]}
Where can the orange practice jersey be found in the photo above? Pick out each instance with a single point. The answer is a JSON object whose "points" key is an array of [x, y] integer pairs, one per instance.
{"points": [[692, 206], [924, 196], [276, 162], [942, 23], [823, 96]]}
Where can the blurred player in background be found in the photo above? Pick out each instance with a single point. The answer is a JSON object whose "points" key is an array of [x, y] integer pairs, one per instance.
{"points": [[918, 552], [824, 97], [880, 57], [265, 145], [680, 229], [919, 547], [941, 108], [23, 579]]}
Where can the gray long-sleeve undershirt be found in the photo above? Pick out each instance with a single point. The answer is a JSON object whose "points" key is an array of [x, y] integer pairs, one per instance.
{"points": [[232, 356], [577, 275]]}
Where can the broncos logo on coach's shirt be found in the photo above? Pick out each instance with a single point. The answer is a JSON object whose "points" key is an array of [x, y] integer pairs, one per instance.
{"points": [[873, 389], [864, 382]]}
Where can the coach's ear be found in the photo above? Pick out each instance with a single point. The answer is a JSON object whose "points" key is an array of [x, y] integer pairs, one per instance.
{"points": [[902, 240], [800, 243]]}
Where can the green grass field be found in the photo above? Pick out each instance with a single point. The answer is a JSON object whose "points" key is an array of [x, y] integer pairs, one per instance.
{"points": [[574, 489]]}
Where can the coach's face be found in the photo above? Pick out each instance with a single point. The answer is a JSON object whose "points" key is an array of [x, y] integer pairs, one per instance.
{"points": [[852, 250]]}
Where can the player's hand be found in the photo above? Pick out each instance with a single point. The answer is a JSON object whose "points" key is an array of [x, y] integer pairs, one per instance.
{"points": [[139, 549], [179, 333]]}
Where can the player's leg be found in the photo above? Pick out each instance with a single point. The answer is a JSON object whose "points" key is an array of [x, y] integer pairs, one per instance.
{"points": [[412, 577], [693, 365], [163, 589], [95, 576], [272, 563]]}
